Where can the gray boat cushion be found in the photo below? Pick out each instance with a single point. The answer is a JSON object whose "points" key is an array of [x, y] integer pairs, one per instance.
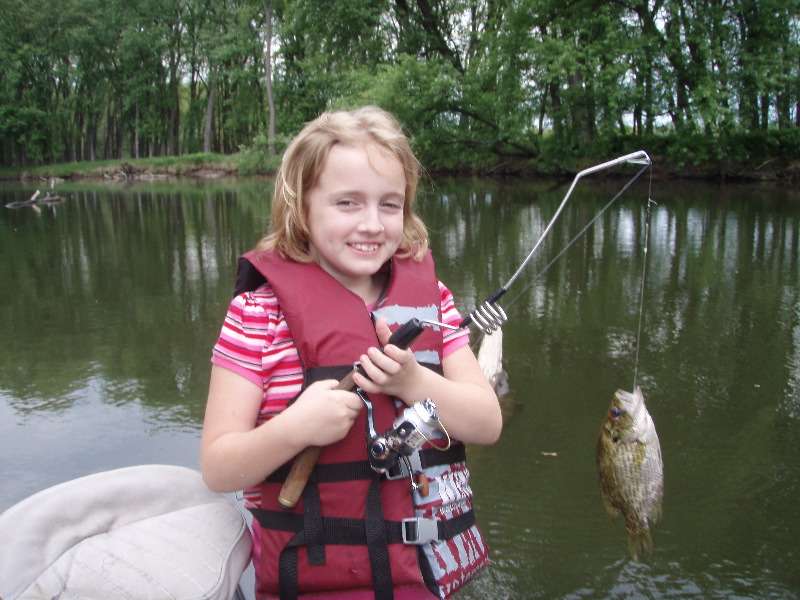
{"points": [[145, 532]]}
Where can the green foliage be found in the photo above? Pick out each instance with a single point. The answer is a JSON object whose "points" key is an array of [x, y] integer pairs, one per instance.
{"points": [[477, 84], [673, 150], [261, 157], [757, 147], [174, 165]]}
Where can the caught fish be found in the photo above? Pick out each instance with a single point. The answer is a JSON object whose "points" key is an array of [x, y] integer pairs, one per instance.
{"points": [[490, 359], [630, 469]]}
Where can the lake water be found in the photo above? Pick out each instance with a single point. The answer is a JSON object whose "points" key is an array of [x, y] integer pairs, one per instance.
{"points": [[111, 301]]}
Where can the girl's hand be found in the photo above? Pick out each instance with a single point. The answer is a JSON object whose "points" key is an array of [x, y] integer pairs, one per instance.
{"points": [[236, 453], [322, 415], [465, 401], [390, 371]]}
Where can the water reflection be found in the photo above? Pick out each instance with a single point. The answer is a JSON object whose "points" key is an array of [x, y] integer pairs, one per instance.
{"points": [[113, 299], [718, 362]]}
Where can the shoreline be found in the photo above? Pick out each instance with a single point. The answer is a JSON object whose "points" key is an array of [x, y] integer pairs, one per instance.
{"points": [[776, 171]]}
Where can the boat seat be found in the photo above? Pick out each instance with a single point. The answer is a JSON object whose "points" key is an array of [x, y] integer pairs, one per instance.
{"points": [[141, 533]]}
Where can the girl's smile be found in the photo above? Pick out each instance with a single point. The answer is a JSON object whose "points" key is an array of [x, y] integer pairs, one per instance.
{"points": [[355, 216]]}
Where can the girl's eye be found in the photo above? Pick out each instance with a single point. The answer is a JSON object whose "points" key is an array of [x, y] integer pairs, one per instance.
{"points": [[392, 205]]}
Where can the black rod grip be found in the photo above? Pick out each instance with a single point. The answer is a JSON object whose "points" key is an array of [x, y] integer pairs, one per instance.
{"points": [[405, 336]]}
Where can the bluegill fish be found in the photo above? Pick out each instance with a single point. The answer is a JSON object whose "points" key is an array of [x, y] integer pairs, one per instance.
{"points": [[490, 359], [630, 469]]}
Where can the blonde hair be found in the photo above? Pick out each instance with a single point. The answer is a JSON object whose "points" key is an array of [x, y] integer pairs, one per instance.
{"points": [[302, 163]]}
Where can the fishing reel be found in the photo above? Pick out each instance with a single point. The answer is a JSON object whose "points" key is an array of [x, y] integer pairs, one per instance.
{"points": [[410, 430]]}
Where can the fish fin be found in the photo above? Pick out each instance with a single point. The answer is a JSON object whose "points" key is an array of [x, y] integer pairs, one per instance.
{"points": [[656, 512], [640, 543], [611, 510]]}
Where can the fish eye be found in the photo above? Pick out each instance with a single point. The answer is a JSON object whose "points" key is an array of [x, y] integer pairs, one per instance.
{"points": [[616, 413]]}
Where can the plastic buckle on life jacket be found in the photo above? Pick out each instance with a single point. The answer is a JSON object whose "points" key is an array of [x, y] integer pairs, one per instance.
{"points": [[418, 530], [400, 469]]}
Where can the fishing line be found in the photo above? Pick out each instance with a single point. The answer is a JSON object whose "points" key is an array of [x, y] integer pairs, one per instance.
{"points": [[650, 202]]}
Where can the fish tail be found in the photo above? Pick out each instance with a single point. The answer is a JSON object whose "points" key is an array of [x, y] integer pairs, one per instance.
{"points": [[639, 542]]}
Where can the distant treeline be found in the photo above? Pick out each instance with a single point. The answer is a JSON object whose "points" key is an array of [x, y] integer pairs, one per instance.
{"points": [[475, 82]]}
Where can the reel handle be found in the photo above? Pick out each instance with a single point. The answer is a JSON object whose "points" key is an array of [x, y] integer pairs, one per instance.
{"points": [[304, 462]]}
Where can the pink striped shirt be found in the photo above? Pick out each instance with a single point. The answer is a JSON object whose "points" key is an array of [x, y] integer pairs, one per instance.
{"points": [[255, 342]]}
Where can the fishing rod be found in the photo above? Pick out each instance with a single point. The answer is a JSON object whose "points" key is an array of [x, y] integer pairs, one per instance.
{"points": [[489, 316], [412, 425]]}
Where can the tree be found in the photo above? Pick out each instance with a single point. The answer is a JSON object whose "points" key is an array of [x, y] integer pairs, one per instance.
{"points": [[478, 82], [268, 76]]}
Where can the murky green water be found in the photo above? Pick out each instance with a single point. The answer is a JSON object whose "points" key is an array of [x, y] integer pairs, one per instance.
{"points": [[110, 303]]}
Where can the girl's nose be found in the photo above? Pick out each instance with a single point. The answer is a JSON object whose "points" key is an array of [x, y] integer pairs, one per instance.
{"points": [[371, 222]]}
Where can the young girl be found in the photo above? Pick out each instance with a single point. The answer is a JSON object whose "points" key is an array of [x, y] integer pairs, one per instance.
{"points": [[346, 262]]}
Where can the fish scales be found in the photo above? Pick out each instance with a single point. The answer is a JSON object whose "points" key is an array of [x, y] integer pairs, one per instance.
{"points": [[630, 469]]}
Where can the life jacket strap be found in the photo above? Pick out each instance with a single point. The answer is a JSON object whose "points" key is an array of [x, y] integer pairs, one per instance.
{"points": [[360, 469], [352, 532], [356, 532], [428, 457]]}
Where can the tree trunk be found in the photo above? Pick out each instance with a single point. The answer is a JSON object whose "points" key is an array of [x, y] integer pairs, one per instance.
{"points": [[136, 132], [90, 142], [270, 98], [174, 111], [209, 115]]}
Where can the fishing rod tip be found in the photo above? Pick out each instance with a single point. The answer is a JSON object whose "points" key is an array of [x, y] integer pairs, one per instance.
{"points": [[639, 158]]}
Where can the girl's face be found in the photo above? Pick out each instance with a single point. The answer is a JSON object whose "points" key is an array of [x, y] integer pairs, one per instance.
{"points": [[355, 216]]}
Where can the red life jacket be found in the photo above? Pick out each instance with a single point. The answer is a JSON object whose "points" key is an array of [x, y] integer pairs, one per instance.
{"points": [[355, 529]]}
